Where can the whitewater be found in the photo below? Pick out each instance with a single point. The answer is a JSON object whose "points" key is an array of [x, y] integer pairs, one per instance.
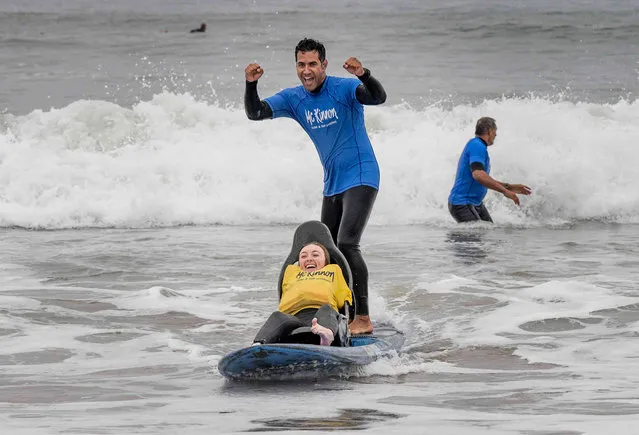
{"points": [[175, 160]]}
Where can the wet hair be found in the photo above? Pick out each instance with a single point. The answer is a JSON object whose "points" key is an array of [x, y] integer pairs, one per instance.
{"points": [[326, 254], [307, 45], [484, 125]]}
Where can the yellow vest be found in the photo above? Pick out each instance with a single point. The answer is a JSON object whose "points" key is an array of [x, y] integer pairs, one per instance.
{"points": [[301, 290]]}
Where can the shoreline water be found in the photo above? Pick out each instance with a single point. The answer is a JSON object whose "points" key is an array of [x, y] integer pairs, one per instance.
{"points": [[527, 328]]}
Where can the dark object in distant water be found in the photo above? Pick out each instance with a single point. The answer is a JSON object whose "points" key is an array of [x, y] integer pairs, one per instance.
{"points": [[201, 29]]}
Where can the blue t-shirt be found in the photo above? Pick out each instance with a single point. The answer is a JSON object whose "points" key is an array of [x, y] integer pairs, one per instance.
{"points": [[334, 120], [466, 189]]}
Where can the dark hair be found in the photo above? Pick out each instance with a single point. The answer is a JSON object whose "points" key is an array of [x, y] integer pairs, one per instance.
{"points": [[307, 44], [326, 254], [484, 125]]}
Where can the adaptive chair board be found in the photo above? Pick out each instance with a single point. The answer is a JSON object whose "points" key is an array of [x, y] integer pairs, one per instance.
{"points": [[296, 355]]}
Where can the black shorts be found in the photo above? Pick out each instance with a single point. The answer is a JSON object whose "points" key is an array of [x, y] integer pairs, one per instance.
{"points": [[469, 212]]}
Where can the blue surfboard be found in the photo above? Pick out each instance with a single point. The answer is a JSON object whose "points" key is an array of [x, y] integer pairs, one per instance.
{"points": [[292, 360]]}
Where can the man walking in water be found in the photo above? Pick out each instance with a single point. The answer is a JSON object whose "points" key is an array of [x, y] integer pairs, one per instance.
{"points": [[472, 181], [330, 110]]}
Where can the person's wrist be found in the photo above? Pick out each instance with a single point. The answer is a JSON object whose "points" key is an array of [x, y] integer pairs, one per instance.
{"points": [[366, 74]]}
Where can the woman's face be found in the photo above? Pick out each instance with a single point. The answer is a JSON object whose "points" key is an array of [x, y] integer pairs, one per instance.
{"points": [[312, 258]]}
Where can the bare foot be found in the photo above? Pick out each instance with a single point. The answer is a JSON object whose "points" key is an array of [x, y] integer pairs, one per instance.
{"points": [[326, 335], [361, 325]]}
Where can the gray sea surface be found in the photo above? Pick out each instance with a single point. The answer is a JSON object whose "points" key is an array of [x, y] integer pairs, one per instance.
{"points": [[517, 330], [57, 52]]}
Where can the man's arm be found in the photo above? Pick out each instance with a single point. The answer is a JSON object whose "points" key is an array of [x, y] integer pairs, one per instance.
{"points": [[371, 91], [508, 190], [255, 109]]}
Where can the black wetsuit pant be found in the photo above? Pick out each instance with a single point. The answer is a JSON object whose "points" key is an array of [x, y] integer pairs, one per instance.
{"points": [[279, 325], [346, 215], [469, 212]]}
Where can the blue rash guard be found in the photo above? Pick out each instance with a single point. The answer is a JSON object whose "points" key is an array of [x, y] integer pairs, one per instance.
{"points": [[334, 120], [466, 189]]}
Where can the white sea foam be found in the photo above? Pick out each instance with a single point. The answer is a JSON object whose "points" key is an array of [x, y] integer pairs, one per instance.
{"points": [[174, 160], [552, 300], [157, 300]]}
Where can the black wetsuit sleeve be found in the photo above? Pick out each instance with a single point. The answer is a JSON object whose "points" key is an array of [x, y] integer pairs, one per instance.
{"points": [[476, 166], [371, 91], [255, 109]]}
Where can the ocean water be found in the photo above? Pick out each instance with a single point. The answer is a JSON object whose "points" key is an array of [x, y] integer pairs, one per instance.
{"points": [[144, 219]]}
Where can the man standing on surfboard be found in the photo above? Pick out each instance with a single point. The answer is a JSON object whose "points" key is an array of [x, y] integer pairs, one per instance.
{"points": [[330, 110]]}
